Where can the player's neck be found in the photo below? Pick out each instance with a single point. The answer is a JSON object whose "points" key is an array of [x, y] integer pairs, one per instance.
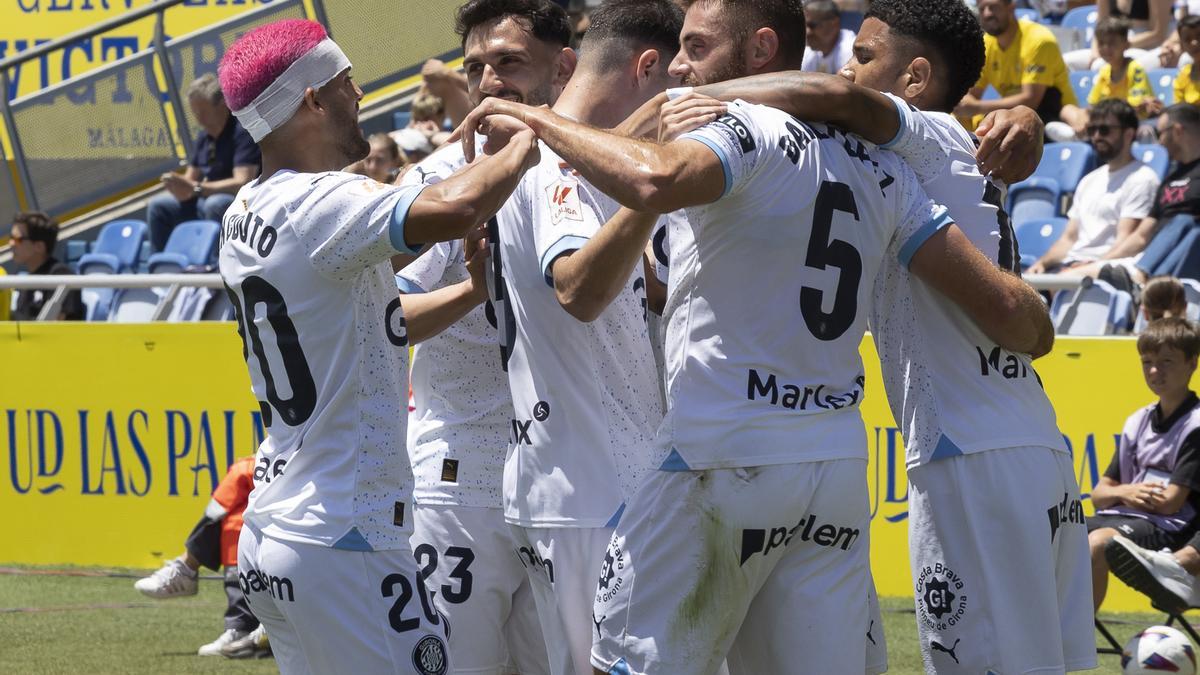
{"points": [[595, 101], [301, 158]]}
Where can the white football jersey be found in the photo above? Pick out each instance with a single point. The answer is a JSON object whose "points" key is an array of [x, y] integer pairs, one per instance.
{"points": [[585, 396], [951, 389], [771, 288], [305, 258], [461, 406]]}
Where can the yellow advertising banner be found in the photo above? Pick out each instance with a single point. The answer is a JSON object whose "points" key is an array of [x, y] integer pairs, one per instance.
{"points": [[114, 435]]}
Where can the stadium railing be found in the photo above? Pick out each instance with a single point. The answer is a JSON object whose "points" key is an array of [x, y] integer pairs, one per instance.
{"points": [[174, 283]]}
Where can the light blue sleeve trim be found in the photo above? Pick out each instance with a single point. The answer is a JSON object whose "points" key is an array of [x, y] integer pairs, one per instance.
{"points": [[565, 244], [400, 216], [939, 221], [902, 113], [406, 285], [720, 152]]}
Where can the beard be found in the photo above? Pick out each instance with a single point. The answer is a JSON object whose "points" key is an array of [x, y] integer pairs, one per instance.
{"points": [[350, 140], [730, 70]]}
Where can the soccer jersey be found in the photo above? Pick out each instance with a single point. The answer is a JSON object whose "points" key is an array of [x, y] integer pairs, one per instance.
{"points": [[1186, 89], [585, 395], [461, 406], [1032, 58], [770, 290], [1133, 88], [952, 390], [305, 258]]}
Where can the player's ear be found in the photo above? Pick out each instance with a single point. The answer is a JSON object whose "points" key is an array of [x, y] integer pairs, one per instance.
{"points": [[564, 67], [647, 62], [310, 100], [918, 78], [763, 48]]}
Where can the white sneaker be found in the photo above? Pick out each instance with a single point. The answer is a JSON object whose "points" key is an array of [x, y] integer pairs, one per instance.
{"points": [[173, 580], [254, 645], [1154, 573], [214, 648]]}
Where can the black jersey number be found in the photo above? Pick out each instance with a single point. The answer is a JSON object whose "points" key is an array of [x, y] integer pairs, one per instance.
{"points": [[825, 252], [258, 291]]}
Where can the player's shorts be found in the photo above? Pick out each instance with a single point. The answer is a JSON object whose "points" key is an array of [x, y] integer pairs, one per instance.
{"points": [[877, 659], [466, 556], [1000, 564], [1140, 531], [562, 564], [333, 611], [768, 565]]}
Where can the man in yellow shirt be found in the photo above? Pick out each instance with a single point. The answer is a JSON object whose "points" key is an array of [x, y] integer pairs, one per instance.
{"points": [[1022, 61]]}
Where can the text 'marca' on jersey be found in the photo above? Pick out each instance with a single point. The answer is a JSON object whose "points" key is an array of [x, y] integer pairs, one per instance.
{"points": [[769, 301], [306, 260]]}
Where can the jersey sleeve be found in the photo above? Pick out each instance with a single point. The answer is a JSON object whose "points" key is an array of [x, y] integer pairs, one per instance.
{"points": [[1114, 467], [738, 143], [1187, 463], [425, 273], [348, 223], [917, 141], [920, 217], [564, 217], [1039, 63]]}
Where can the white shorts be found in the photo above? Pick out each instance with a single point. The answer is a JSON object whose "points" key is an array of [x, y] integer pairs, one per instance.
{"points": [[334, 611], [466, 555], [768, 565], [562, 564], [1001, 573]]}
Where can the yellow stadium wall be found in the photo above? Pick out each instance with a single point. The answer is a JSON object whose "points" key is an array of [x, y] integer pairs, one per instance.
{"points": [[114, 435]]}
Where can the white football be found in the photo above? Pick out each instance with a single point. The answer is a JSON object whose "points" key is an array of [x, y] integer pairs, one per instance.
{"points": [[1159, 649]]}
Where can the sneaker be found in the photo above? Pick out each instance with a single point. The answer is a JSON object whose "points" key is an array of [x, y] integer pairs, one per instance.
{"points": [[173, 580], [1154, 573], [229, 636], [253, 646]]}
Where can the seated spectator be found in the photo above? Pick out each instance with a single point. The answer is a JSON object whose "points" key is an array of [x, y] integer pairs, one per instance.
{"points": [[1151, 24], [212, 543], [1110, 203], [449, 85], [1022, 63], [1163, 298], [428, 117], [828, 46], [1149, 494], [384, 160], [1187, 82], [33, 237], [224, 158]]}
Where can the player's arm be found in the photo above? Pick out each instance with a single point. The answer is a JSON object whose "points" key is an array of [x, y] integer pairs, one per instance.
{"points": [[1008, 310], [656, 290], [640, 175], [428, 313], [587, 280]]}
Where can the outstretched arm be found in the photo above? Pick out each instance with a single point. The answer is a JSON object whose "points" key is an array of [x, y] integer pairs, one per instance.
{"points": [[427, 314]]}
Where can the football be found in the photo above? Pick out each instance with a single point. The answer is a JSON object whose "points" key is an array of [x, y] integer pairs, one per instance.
{"points": [[1159, 649]]}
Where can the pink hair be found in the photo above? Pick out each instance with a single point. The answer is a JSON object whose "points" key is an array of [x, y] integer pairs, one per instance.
{"points": [[257, 58]]}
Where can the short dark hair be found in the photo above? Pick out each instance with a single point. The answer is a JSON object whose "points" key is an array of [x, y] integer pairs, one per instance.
{"points": [[1118, 109], [547, 21], [1113, 26], [1190, 21], [1170, 333], [948, 29], [637, 24], [785, 17], [39, 227], [824, 8], [1185, 115]]}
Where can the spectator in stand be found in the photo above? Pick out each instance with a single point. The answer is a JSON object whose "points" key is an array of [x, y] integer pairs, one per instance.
{"points": [[1163, 298], [33, 237], [1187, 82], [429, 117], [1022, 62], [828, 45], [5, 300], [224, 158], [449, 85], [1110, 203], [384, 160], [213, 543], [1151, 24], [1148, 494]]}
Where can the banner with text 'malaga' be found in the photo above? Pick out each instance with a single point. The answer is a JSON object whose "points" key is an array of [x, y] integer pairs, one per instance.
{"points": [[115, 435]]}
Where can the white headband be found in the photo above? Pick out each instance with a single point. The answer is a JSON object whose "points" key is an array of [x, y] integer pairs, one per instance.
{"points": [[278, 102]]}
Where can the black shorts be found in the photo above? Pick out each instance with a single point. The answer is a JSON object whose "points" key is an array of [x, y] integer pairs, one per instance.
{"points": [[1142, 532]]}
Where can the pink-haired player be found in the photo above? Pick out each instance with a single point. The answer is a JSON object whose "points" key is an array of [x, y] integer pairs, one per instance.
{"points": [[324, 556]]}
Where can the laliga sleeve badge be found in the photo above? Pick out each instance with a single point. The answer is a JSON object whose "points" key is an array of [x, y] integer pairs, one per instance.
{"points": [[429, 656], [564, 201]]}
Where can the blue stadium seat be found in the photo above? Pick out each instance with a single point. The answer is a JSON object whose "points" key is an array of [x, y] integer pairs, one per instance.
{"points": [[1154, 156], [852, 21], [1095, 308], [1029, 14], [401, 118], [990, 94], [1082, 19], [117, 248], [1034, 200], [192, 243], [1162, 81], [1063, 165], [1035, 237], [1081, 82], [75, 249]]}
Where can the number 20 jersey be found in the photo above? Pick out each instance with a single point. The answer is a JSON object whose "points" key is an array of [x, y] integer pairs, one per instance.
{"points": [[306, 260], [771, 286]]}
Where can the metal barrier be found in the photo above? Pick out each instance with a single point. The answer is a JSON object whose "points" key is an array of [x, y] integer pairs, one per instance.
{"points": [[64, 283]]}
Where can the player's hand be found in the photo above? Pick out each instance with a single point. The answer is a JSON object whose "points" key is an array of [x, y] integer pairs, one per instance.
{"points": [[528, 142], [687, 113], [475, 250], [180, 188], [1010, 144], [492, 116]]}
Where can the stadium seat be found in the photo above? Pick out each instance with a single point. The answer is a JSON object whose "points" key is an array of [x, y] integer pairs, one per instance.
{"points": [[990, 94], [401, 118], [117, 248], [1035, 237], [1063, 165], [1029, 14], [1162, 81], [1154, 156], [1191, 288], [73, 250], [1082, 19], [192, 243], [1095, 308], [852, 21], [1034, 200], [1081, 82]]}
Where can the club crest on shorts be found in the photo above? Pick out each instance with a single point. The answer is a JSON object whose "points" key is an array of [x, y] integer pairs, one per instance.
{"points": [[429, 656], [611, 572], [941, 597]]}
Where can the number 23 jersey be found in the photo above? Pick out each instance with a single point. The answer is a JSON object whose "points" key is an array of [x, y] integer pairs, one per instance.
{"points": [[305, 258]]}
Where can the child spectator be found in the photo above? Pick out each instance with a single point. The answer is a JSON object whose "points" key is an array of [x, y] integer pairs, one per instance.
{"points": [[1187, 82], [1120, 76], [384, 160], [1148, 493], [1163, 298]]}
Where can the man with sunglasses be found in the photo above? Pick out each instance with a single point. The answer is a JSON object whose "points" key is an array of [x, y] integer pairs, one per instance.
{"points": [[33, 237], [829, 46], [1111, 203]]}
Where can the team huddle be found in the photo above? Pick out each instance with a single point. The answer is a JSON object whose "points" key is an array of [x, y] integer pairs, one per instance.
{"points": [[635, 293]]}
